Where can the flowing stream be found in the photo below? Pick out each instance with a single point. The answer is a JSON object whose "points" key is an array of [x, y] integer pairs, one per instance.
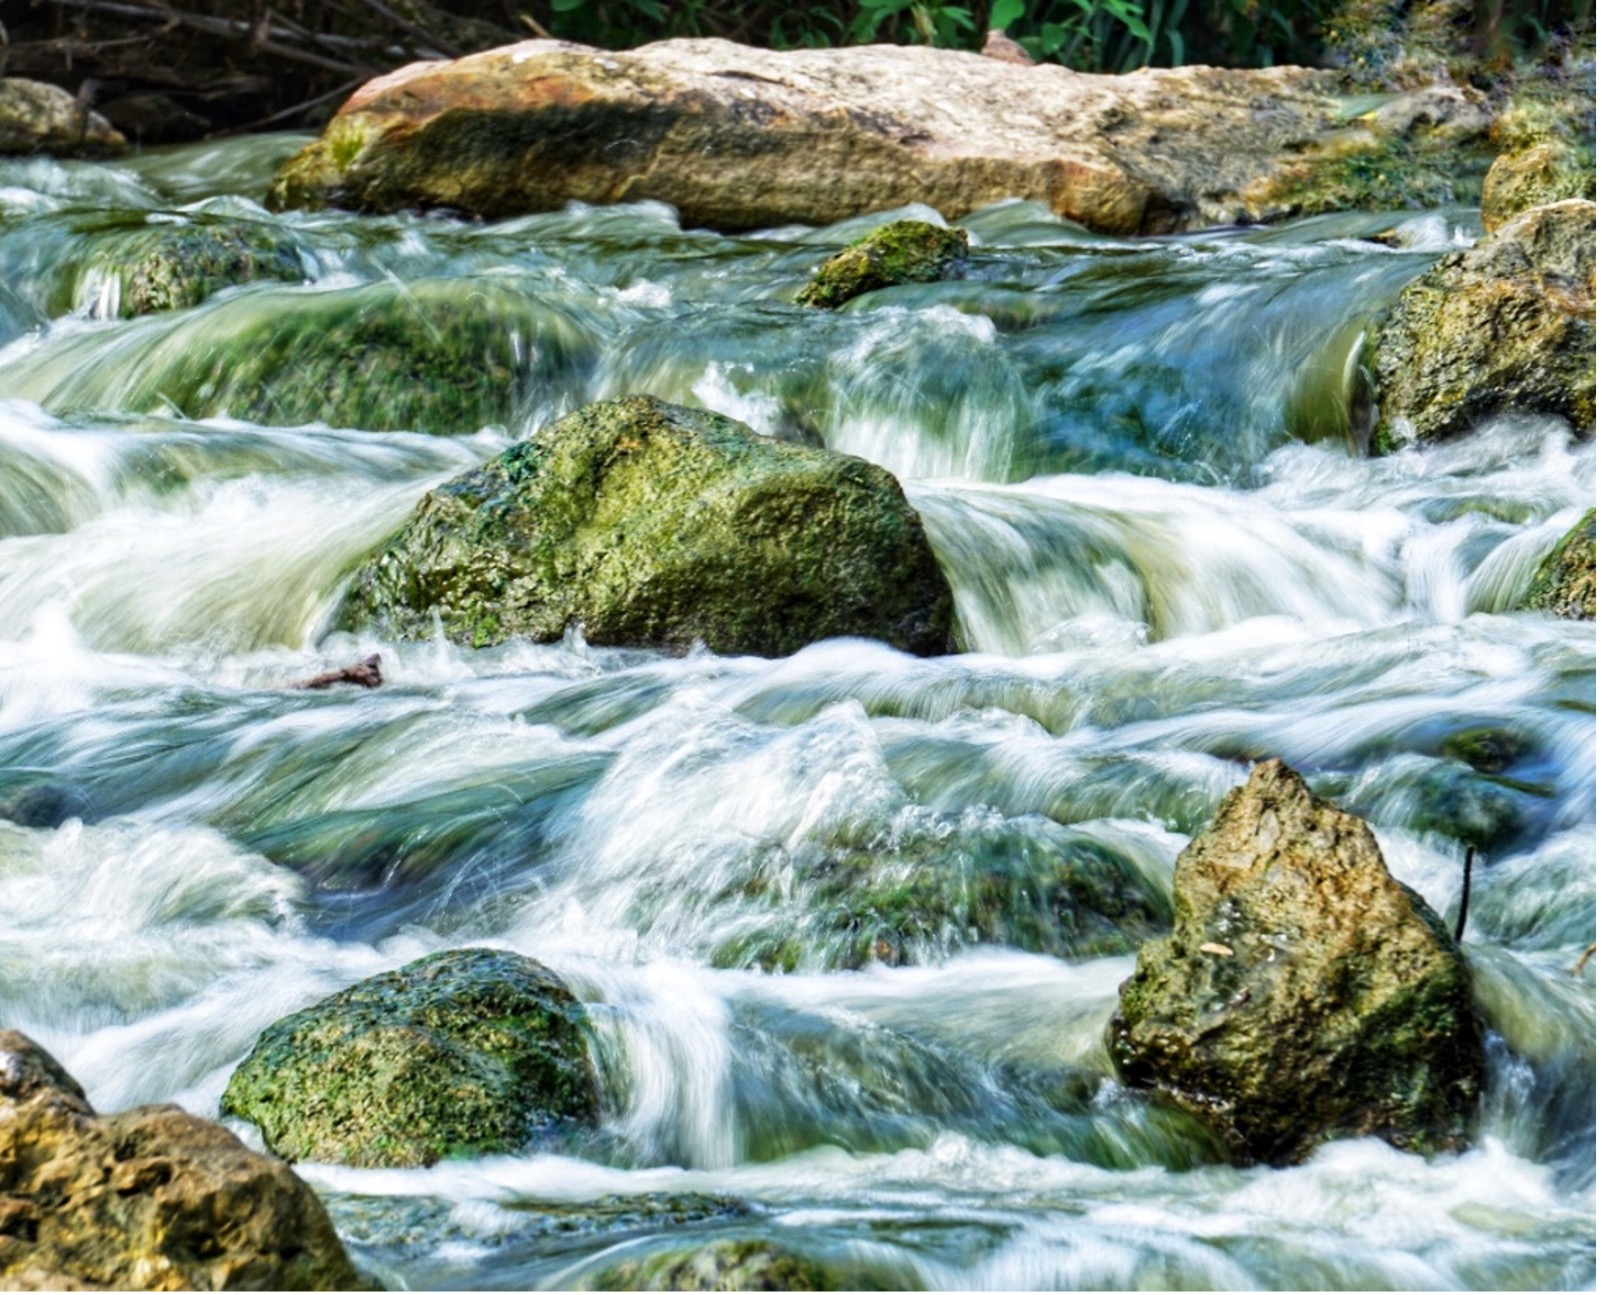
{"points": [[1139, 463]]}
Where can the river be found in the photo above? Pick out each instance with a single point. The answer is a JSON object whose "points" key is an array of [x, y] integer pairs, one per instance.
{"points": [[1137, 465]]}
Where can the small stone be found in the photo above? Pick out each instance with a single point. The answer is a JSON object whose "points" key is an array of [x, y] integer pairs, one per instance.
{"points": [[1217, 950], [40, 118], [904, 251]]}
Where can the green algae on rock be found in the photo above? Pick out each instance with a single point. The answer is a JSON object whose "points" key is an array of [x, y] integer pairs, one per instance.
{"points": [[149, 266], [1304, 994], [149, 1199], [904, 251], [463, 1053], [40, 118], [746, 1264], [1507, 326], [1565, 582], [1535, 177], [652, 525]]}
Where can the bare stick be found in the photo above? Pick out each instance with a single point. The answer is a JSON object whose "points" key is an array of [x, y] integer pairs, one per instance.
{"points": [[1467, 891], [1578, 967]]}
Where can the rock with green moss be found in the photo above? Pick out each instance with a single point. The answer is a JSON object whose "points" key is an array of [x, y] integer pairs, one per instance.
{"points": [[1565, 582], [135, 266], [1304, 994], [745, 1264], [904, 251], [1507, 326], [40, 118], [1026, 883], [651, 525], [1535, 177], [465, 1053], [1544, 136]]}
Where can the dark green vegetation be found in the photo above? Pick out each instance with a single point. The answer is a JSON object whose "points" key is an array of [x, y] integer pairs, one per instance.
{"points": [[151, 1198], [1304, 994], [464, 1053], [653, 525], [743, 1265], [1565, 582], [903, 251]]}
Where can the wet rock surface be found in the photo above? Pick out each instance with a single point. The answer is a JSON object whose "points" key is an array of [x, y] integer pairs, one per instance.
{"points": [[649, 524], [737, 137], [1304, 994], [904, 251], [40, 118], [1507, 326], [468, 1052], [152, 1198], [1565, 582]]}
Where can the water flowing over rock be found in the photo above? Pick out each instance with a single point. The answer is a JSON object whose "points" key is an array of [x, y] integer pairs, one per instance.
{"points": [[904, 251], [1507, 326], [653, 525], [1565, 582], [737, 137], [462, 1053], [40, 118], [152, 1199], [1304, 993]]}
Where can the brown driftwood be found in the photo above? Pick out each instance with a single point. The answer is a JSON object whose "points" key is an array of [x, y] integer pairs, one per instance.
{"points": [[1578, 967], [364, 674]]}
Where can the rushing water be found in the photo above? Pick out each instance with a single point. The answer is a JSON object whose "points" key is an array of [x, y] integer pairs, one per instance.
{"points": [[1139, 463]]}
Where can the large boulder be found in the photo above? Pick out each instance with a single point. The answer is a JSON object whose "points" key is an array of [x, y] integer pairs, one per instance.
{"points": [[1304, 993], [652, 525], [737, 137], [151, 1199], [1565, 581], [1507, 326], [465, 1053], [40, 118]]}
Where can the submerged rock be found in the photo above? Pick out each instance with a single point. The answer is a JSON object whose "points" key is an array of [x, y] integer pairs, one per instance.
{"points": [[741, 1265], [1565, 582], [463, 1053], [174, 266], [652, 525], [904, 251], [151, 1199], [1304, 994], [1507, 326], [40, 118], [737, 137]]}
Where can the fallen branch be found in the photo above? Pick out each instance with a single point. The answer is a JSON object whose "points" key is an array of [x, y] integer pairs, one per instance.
{"points": [[1467, 891], [364, 675], [1578, 967]]}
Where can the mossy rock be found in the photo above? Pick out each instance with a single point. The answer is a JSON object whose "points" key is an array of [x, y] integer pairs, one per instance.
{"points": [[1535, 177], [172, 266], [1507, 326], [1304, 994], [652, 525], [745, 1264], [466, 1053], [1026, 884], [445, 356], [1565, 582], [40, 118], [904, 251]]}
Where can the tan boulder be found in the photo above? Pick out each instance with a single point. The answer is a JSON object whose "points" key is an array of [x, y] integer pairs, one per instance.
{"points": [[1507, 326], [151, 1199], [736, 137], [40, 118]]}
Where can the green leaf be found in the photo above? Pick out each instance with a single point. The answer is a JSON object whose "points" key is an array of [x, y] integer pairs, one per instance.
{"points": [[1003, 13]]}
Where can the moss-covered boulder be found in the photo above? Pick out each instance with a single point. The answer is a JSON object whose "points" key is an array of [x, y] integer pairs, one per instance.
{"points": [[1507, 326], [920, 895], [40, 118], [150, 1199], [463, 1053], [652, 525], [171, 266], [1544, 136], [904, 251], [1304, 994], [1565, 582]]}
